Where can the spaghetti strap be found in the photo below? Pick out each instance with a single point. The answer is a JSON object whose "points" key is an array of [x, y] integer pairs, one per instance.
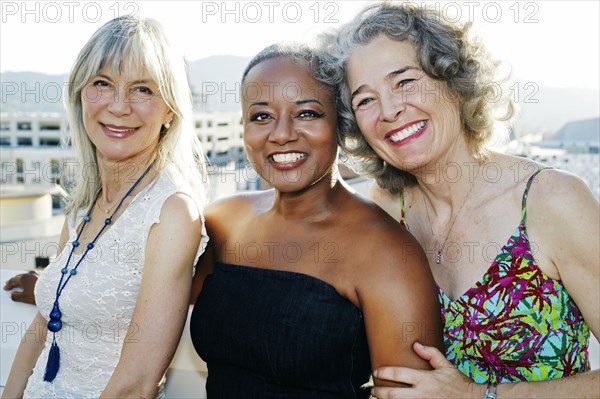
{"points": [[526, 193], [403, 212]]}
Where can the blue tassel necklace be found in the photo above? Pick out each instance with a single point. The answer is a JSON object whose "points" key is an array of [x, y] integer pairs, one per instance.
{"points": [[55, 323]]}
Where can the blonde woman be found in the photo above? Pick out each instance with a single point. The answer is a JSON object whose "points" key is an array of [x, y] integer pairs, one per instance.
{"points": [[113, 303]]}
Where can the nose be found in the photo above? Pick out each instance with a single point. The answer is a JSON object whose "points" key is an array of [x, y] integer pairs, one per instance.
{"points": [[283, 131], [119, 104], [392, 105]]}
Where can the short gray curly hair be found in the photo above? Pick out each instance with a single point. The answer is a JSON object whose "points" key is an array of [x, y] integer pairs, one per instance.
{"points": [[445, 52]]}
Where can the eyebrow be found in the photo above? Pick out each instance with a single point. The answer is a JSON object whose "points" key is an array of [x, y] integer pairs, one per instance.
{"points": [[299, 102], [135, 82], [261, 104], [389, 76], [302, 102]]}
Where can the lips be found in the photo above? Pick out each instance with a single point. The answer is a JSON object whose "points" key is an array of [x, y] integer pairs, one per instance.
{"points": [[287, 160], [117, 131], [398, 135]]}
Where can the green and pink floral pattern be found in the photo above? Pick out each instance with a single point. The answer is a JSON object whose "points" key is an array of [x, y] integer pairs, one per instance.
{"points": [[515, 323]]}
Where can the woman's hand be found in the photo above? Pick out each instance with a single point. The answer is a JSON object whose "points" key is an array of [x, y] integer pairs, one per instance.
{"points": [[445, 381], [21, 287]]}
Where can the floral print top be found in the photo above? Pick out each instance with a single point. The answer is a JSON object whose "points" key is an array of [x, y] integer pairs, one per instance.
{"points": [[515, 324]]}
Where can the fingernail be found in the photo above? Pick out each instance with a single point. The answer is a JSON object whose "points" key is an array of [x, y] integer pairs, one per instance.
{"points": [[376, 373], [419, 345]]}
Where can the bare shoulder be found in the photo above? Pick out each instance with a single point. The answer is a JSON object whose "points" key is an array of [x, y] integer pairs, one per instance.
{"points": [[385, 200], [390, 245], [227, 214], [553, 192], [559, 192], [180, 207], [243, 203], [562, 218]]}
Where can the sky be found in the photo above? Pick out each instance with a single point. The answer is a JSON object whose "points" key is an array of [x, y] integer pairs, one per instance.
{"points": [[549, 43]]}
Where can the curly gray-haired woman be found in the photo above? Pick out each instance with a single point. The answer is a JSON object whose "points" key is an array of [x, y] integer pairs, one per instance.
{"points": [[513, 246]]}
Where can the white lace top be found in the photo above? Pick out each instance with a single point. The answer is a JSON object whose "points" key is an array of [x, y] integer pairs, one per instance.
{"points": [[98, 303]]}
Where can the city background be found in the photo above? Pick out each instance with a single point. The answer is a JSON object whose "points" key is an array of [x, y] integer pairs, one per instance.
{"points": [[552, 48]]}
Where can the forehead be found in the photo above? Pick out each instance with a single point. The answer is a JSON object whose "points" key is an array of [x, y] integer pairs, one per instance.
{"points": [[282, 77], [379, 57], [130, 74]]}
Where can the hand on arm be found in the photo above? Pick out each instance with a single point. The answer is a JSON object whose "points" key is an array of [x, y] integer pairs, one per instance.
{"points": [[162, 304]]}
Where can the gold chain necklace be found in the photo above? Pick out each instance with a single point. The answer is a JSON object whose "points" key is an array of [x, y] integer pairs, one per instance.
{"points": [[438, 254], [107, 211]]}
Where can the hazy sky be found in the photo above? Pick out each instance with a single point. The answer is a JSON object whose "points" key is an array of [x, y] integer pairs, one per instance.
{"points": [[550, 43]]}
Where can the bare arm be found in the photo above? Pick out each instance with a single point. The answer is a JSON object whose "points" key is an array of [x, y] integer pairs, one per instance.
{"points": [[218, 216], [204, 267], [564, 220], [29, 350], [399, 303], [162, 304], [31, 345]]}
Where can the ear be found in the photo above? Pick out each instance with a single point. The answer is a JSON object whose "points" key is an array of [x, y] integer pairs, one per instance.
{"points": [[168, 117]]}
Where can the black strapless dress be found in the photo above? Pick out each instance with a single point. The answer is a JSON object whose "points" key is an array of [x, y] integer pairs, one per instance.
{"points": [[277, 334]]}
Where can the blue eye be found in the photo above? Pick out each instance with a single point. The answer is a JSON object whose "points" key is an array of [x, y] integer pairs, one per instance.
{"points": [[363, 103], [404, 82]]}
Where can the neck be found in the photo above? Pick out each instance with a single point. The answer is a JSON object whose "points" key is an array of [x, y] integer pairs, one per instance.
{"points": [[313, 204], [447, 180], [118, 176]]}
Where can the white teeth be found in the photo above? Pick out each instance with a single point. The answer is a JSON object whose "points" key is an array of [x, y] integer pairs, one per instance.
{"points": [[409, 131], [112, 129], [288, 158]]}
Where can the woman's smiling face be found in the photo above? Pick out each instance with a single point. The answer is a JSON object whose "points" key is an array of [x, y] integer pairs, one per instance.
{"points": [[290, 124], [408, 118], [123, 113]]}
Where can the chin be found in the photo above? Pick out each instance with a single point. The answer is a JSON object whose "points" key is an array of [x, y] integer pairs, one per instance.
{"points": [[290, 186]]}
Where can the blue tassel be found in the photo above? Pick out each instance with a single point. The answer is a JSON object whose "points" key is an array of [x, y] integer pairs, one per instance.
{"points": [[53, 362]]}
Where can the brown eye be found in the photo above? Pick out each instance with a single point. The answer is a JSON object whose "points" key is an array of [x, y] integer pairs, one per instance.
{"points": [[100, 83], [309, 114], [260, 116]]}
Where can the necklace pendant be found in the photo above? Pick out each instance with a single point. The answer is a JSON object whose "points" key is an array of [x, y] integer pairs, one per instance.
{"points": [[438, 257]]}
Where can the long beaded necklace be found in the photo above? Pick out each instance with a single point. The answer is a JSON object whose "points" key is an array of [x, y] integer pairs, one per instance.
{"points": [[55, 323]]}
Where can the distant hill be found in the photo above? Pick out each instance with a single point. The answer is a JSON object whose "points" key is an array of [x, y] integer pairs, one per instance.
{"points": [[32, 92], [215, 82], [579, 131], [554, 108]]}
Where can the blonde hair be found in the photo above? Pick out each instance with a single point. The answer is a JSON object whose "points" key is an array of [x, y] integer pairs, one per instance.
{"points": [[121, 43]]}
